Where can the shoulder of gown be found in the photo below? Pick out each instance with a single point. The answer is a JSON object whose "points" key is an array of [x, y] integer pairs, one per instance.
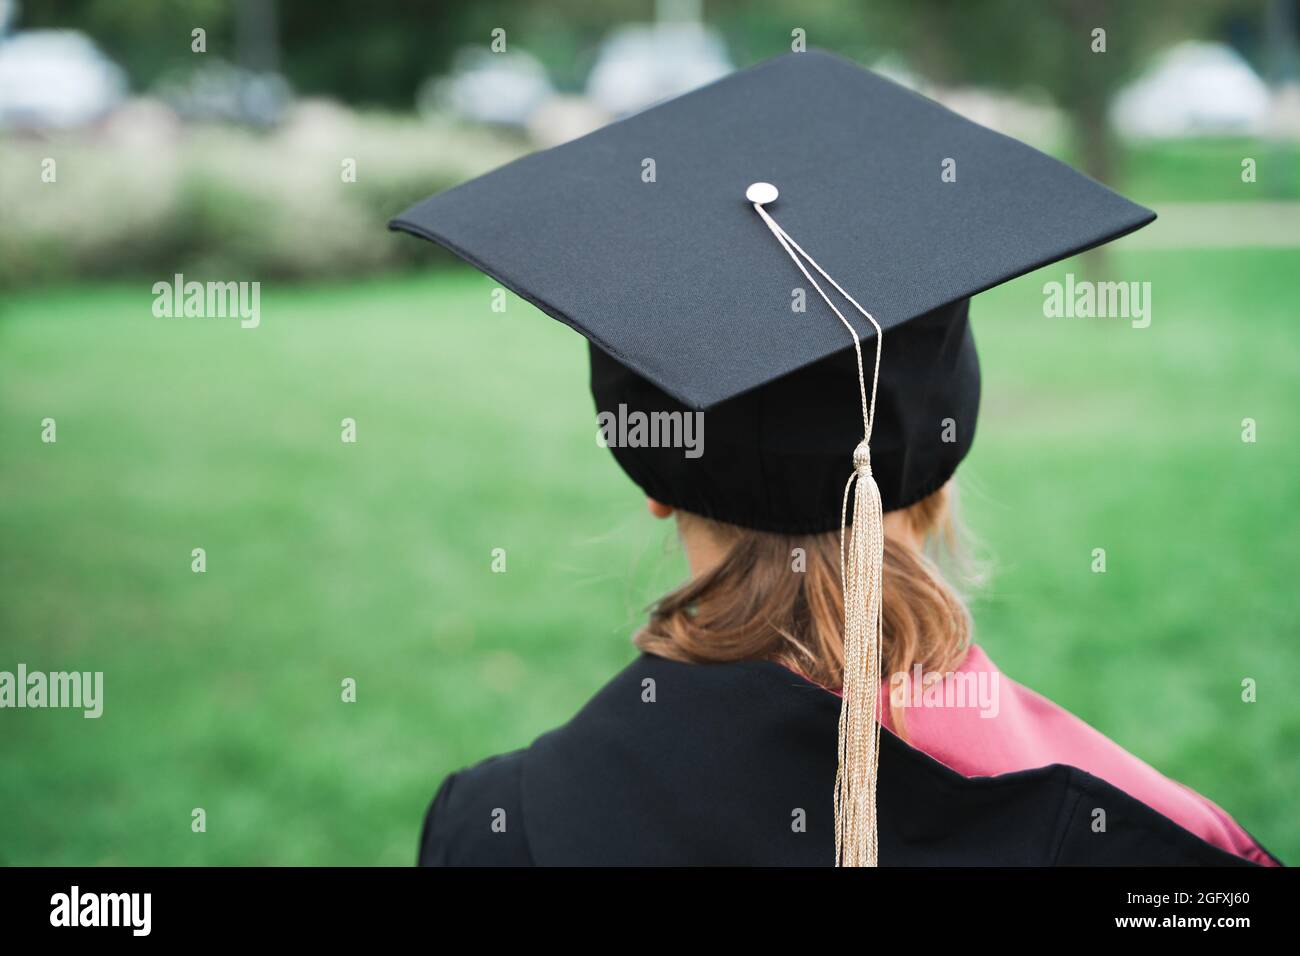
{"points": [[476, 818], [734, 764]]}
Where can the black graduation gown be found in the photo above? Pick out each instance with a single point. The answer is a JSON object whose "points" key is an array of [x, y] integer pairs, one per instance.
{"points": [[681, 764]]}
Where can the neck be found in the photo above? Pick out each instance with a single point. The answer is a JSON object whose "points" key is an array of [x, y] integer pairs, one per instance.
{"points": [[704, 552]]}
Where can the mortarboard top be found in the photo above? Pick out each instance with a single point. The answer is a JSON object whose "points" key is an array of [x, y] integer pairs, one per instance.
{"points": [[679, 281]]}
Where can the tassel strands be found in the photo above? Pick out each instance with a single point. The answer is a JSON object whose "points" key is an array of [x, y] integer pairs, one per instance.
{"points": [[862, 547], [861, 564]]}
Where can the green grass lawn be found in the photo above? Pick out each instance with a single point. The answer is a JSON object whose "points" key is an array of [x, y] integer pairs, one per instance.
{"points": [[1208, 170], [475, 431]]}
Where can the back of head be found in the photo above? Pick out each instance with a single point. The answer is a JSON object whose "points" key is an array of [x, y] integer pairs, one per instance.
{"points": [[775, 458]]}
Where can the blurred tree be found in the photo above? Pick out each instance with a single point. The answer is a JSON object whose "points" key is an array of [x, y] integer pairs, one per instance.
{"points": [[379, 52], [147, 38], [257, 35], [368, 53], [373, 53]]}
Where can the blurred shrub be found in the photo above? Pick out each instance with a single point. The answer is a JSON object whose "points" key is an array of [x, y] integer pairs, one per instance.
{"points": [[144, 196]]}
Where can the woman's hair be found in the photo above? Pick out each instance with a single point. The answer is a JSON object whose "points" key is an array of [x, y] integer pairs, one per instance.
{"points": [[778, 597]]}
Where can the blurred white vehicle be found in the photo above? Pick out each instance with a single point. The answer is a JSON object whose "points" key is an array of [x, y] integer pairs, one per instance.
{"points": [[1193, 89], [56, 78], [641, 64], [499, 88], [217, 91]]}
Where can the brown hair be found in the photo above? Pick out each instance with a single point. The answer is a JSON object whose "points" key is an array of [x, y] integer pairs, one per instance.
{"points": [[755, 605]]}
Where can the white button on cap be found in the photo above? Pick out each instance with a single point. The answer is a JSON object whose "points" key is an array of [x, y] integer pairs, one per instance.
{"points": [[761, 193]]}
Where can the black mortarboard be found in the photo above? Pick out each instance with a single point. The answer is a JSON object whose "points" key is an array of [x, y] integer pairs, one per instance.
{"points": [[687, 298], [641, 236]]}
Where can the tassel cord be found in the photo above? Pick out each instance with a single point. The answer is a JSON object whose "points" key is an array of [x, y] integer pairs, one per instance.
{"points": [[861, 574]]}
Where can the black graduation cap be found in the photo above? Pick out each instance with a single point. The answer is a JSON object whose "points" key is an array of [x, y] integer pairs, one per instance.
{"points": [[678, 240], [640, 236]]}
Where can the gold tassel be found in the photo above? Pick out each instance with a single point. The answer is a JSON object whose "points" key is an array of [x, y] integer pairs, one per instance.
{"points": [[862, 557], [861, 561]]}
